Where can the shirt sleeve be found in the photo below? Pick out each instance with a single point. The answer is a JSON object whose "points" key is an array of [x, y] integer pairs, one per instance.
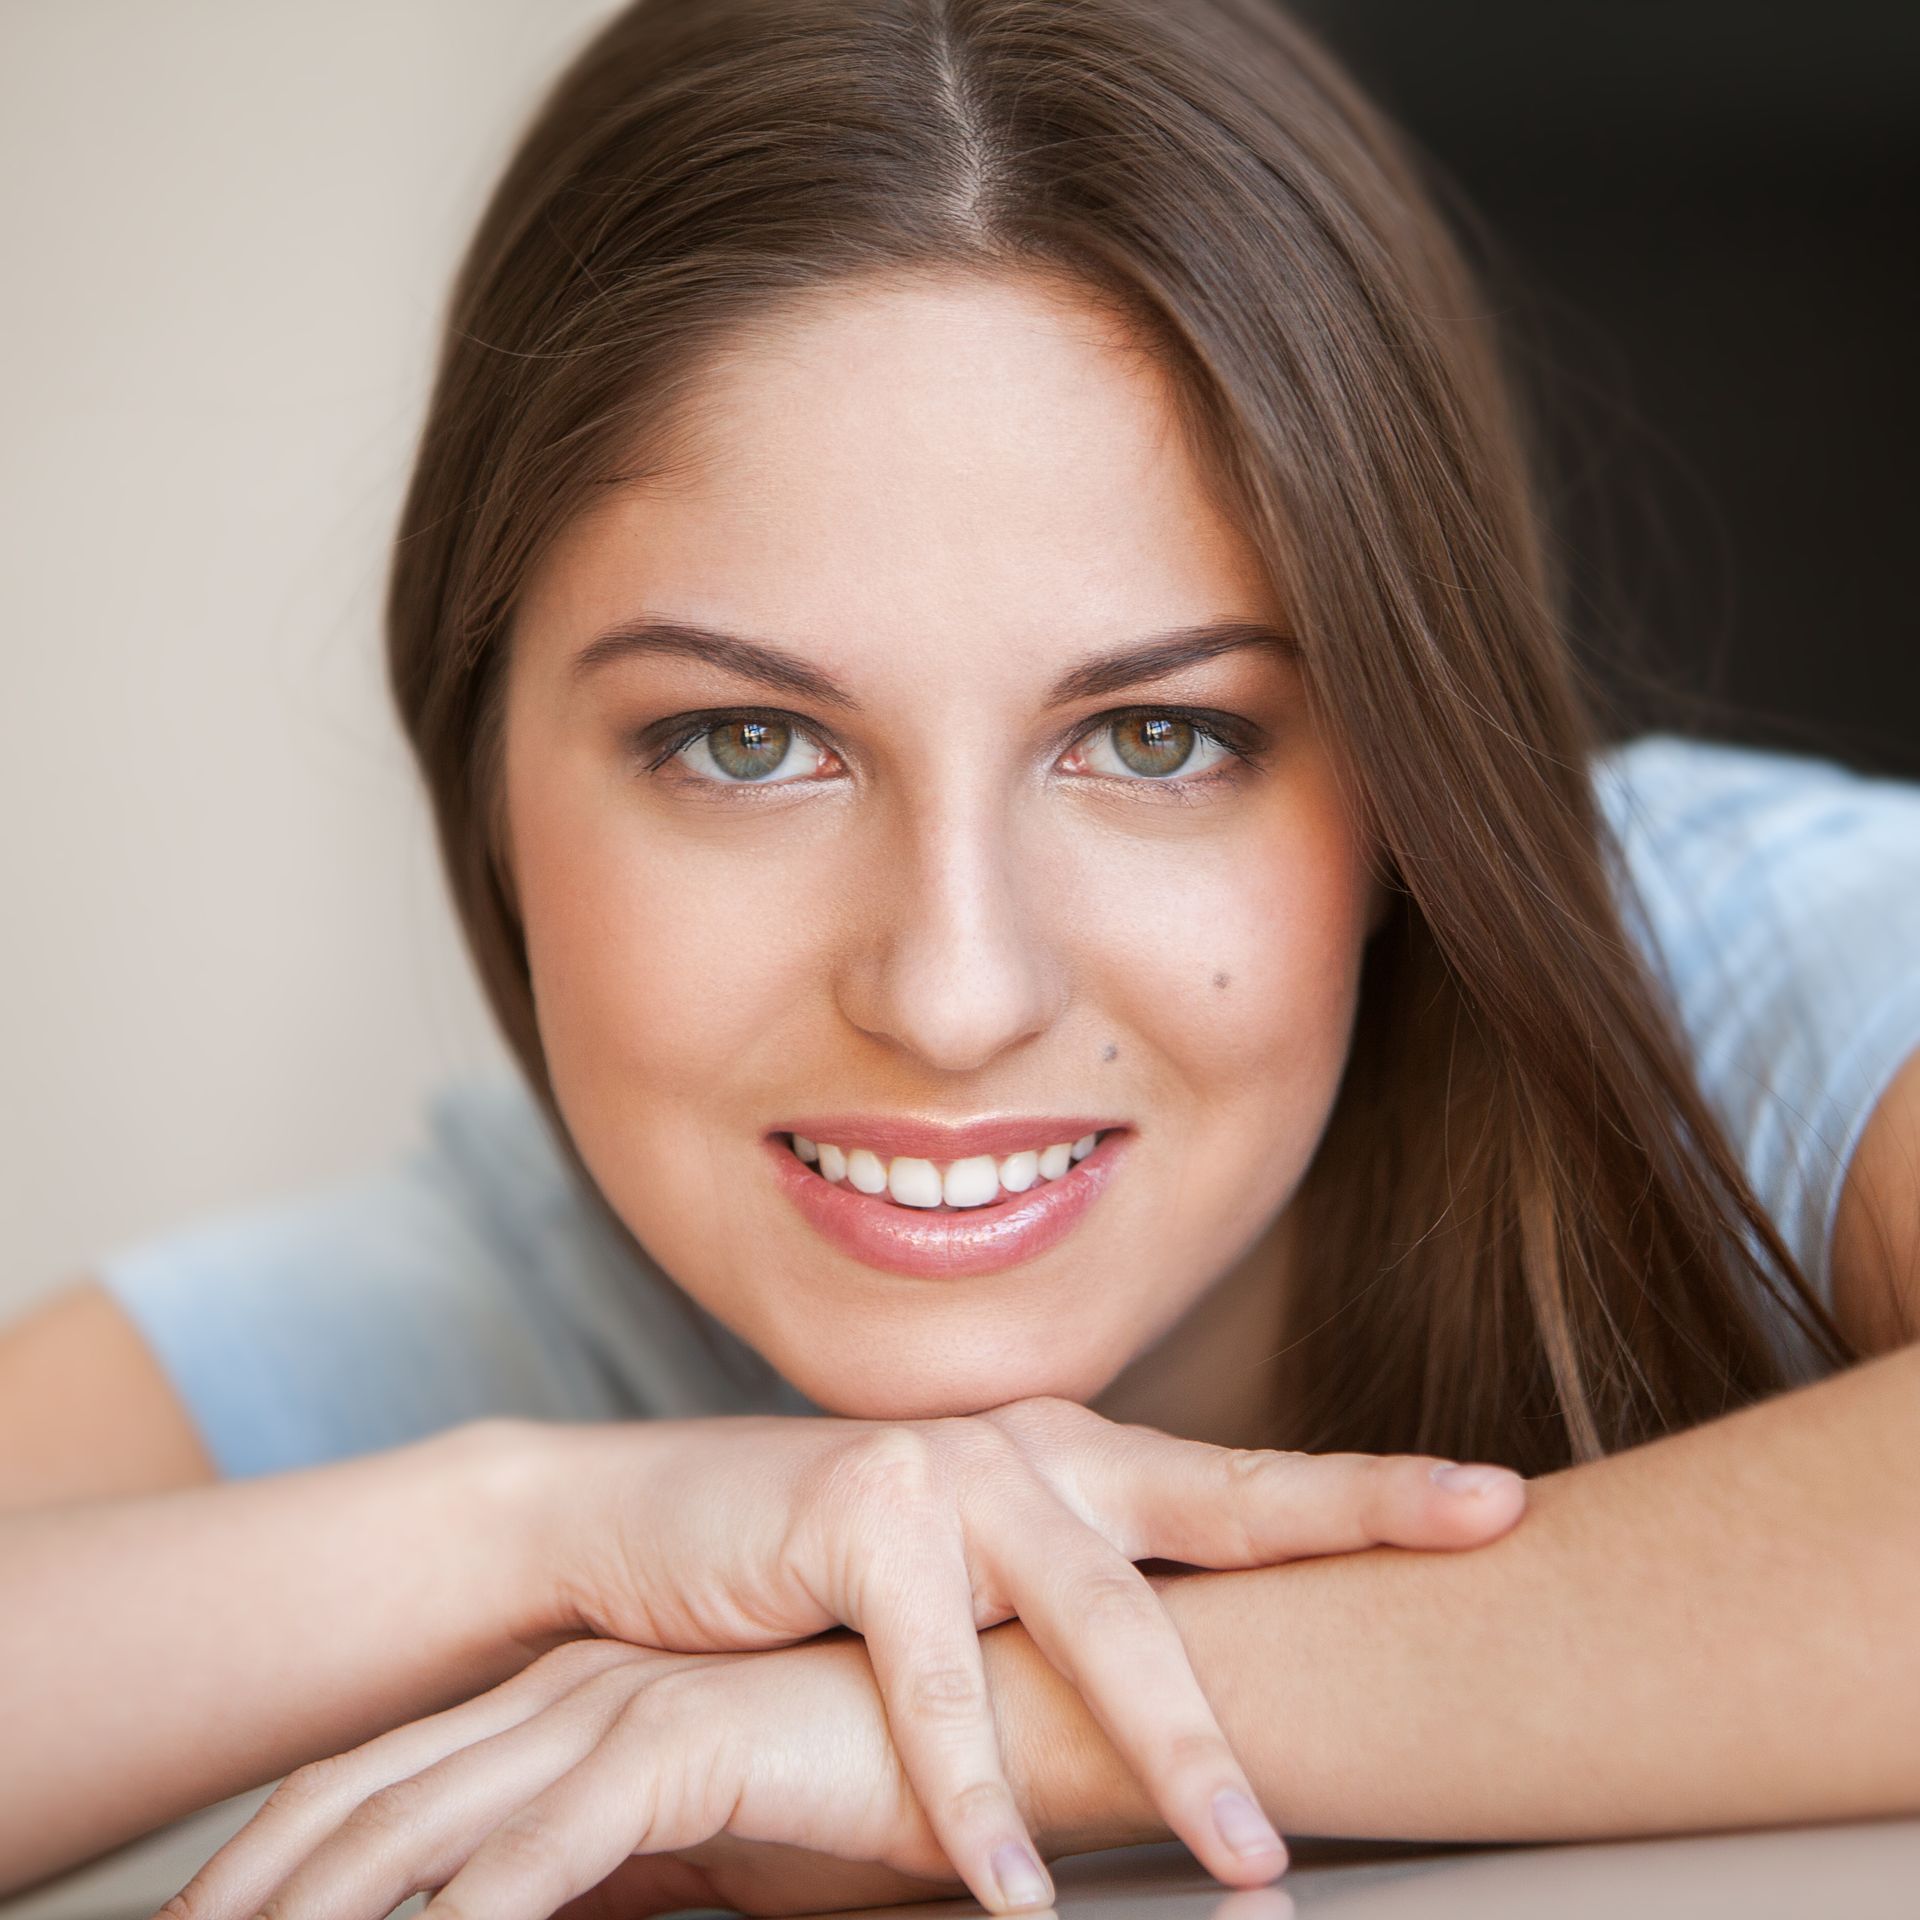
{"points": [[1781, 904], [357, 1317]]}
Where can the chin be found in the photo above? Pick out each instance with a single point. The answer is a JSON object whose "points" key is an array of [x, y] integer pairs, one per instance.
{"points": [[936, 1390]]}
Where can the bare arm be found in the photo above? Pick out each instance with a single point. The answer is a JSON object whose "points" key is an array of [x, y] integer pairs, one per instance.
{"points": [[1717, 1629], [1721, 1628], [86, 1409], [163, 1652]]}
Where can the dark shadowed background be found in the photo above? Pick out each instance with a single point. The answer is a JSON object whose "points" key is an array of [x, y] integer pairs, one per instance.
{"points": [[1711, 204]]}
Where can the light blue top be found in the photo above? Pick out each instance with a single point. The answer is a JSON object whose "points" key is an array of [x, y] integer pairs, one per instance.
{"points": [[471, 1277]]}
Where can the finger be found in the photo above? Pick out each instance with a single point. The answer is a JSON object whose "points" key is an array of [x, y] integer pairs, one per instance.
{"points": [[312, 1801], [1178, 1499], [419, 1831], [617, 1801], [917, 1615], [1093, 1614]]}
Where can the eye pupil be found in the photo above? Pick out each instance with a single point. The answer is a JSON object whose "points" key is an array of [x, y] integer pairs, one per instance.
{"points": [[749, 749], [1154, 743]]}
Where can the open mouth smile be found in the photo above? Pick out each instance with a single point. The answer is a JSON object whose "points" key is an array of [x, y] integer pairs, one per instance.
{"points": [[980, 1213]]}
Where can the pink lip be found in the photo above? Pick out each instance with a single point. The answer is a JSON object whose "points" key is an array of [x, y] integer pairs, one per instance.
{"points": [[947, 1245], [888, 1135]]}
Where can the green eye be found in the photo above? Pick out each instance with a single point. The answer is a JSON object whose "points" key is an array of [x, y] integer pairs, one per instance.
{"points": [[1155, 746], [1155, 743], [1143, 747], [746, 750], [749, 749]]}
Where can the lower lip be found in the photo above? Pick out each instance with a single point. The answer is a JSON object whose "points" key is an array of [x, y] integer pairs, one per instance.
{"points": [[943, 1245]]}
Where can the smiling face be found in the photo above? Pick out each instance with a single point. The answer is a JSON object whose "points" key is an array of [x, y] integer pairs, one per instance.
{"points": [[924, 875]]}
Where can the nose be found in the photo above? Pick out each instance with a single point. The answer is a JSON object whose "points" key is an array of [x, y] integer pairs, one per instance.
{"points": [[952, 962]]}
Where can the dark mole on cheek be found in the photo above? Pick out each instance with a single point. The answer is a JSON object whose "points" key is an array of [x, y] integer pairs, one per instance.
{"points": [[1219, 979], [1110, 1052]]}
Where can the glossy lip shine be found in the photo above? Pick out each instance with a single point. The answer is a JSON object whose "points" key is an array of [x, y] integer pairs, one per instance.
{"points": [[928, 1243]]}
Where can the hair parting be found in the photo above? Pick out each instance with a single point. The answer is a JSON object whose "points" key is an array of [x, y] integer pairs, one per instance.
{"points": [[1528, 1239]]}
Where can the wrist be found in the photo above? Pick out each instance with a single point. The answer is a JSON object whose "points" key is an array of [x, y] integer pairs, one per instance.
{"points": [[1074, 1790], [510, 1484]]}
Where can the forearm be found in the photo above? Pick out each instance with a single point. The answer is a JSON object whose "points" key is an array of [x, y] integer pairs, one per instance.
{"points": [[1717, 1629], [162, 1653]]}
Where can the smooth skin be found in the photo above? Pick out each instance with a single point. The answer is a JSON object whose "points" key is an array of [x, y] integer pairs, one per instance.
{"points": [[1660, 1601], [945, 495], [502, 1540], [956, 895], [1646, 1654]]}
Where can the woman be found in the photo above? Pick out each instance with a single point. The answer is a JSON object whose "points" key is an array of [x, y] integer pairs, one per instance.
{"points": [[979, 633]]}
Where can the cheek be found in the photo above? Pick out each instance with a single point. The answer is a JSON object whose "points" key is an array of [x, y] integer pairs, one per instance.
{"points": [[1241, 957], [655, 964]]}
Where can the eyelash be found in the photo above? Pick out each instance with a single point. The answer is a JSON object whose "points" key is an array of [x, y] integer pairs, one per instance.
{"points": [[1240, 740]]}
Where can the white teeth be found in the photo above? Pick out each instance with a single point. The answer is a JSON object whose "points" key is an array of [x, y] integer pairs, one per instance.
{"points": [[865, 1171], [971, 1183], [976, 1181], [914, 1183]]}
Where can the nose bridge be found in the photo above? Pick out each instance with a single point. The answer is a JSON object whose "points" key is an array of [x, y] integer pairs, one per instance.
{"points": [[957, 960]]}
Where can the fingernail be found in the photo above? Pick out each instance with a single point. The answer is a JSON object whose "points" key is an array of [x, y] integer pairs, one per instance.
{"points": [[1457, 1479], [1243, 1826], [1022, 1884]]}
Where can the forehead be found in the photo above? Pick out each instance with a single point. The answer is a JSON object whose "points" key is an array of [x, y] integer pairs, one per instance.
{"points": [[990, 459]]}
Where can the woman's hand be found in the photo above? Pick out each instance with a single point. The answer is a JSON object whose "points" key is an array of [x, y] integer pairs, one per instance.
{"points": [[765, 1782], [752, 1532]]}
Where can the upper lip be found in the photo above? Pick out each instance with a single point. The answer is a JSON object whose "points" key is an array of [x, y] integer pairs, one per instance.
{"points": [[889, 1135]]}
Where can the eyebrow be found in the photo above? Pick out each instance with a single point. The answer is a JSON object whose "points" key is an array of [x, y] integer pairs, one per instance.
{"points": [[771, 666]]}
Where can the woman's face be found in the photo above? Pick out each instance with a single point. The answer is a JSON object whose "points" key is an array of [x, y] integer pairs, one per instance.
{"points": [[921, 844]]}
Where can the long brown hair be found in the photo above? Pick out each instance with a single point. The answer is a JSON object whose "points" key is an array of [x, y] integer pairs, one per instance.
{"points": [[1524, 1236]]}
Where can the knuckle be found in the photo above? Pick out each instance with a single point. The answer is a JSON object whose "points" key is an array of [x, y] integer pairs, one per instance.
{"points": [[635, 1710], [1197, 1749], [944, 1693], [1262, 1463], [525, 1848], [391, 1811], [974, 1442], [1387, 1469], [573, 1662], [978, 1801], [682, 1706], [1117, 1603], [605, 1695], [314, 1785], [1046, 1417], [890, 1467]]}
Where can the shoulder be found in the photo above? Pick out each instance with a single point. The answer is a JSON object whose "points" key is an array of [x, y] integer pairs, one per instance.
{"points": [[1778, 898], [356, 1315], [1742, 821], [1876, 1232], [661, 1351], [470, 1276]]}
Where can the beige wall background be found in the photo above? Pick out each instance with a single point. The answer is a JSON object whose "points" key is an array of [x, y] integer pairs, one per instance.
{"points": [[226, 228]]}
